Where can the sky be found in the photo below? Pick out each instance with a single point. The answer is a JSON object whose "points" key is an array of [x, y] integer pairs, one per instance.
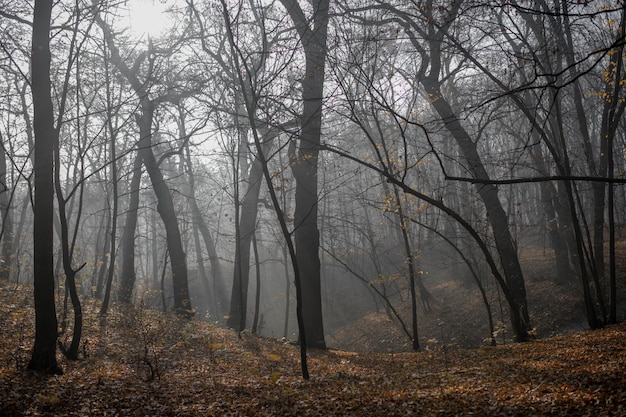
{"points": [[147, 17]]}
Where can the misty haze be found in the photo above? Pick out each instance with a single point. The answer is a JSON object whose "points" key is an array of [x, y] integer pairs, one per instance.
{"points": [[222, 207]]}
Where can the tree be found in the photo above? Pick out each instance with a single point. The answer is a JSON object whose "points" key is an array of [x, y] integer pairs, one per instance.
{"points": [[6, 233], [312, 33], [217, 291], [128, 275], [433, 68], [247, 228], [165, 206], [44, 351]]}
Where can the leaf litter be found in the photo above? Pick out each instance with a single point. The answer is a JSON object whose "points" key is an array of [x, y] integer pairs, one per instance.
{"points": [[138, 362]]}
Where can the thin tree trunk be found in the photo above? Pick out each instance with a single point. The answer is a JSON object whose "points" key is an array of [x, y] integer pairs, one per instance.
{"points": [[105, 225], [112, 231], [614, 114], [18, 232], [257, 298], [287, 291], [6, 234], [410, 260], [216, 293]]}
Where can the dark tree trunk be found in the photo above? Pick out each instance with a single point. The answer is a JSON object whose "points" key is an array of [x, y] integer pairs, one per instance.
{"points": [[411, 268], [111, 230], [165, 203], [100, 256], [304, 167], [44, 351], [68, 269], [6, 234], [287, 290], [257, 299], [247, 227], [495, 212], [128, 275], [165, 207]]}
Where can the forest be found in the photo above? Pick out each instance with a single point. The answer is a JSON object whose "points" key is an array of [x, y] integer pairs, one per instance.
{"points": [[246, 197]]}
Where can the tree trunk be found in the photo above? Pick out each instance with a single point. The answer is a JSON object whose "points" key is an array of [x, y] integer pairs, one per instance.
{"points": [[167, 211], [247, 227], [111, 231], [165, 204], [98, 280], [489, 195], [287, 290], [128, 275], [217, 292], [44, 350], [257, 299], [410, 260], [304, 167], [6, 234], [67, 255]]}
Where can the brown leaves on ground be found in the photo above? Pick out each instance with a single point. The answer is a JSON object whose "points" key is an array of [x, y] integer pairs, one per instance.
{"points": [[145, 363]]}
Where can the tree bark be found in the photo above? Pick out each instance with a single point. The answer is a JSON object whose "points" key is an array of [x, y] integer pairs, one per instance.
{"points": [[128, 275], [304, 166], [44, 350], [247, 227], [167, 211], [98, 281]]}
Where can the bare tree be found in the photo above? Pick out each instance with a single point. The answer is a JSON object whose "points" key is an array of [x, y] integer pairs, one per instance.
{"points": [[44, 351], [313, 33], [165, 206]]}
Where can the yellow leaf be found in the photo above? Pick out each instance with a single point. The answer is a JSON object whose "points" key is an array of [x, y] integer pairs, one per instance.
{"points": [[216, 346], [273, 358], [274, 377]]}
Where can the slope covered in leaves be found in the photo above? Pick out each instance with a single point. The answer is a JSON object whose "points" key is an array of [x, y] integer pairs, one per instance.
{"points": [[144, 363]]}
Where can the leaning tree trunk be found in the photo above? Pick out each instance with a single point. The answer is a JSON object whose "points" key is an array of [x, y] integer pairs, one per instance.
{"points": [[216, 293], [165, 203], [167, 211], [495, 212]]}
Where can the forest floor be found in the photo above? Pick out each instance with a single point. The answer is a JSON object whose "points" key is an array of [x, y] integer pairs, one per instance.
{"points": [[458, 318], [136, 362]]}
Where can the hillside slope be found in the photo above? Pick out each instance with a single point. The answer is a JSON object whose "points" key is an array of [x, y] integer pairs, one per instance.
{"points": [[145, 363]]}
